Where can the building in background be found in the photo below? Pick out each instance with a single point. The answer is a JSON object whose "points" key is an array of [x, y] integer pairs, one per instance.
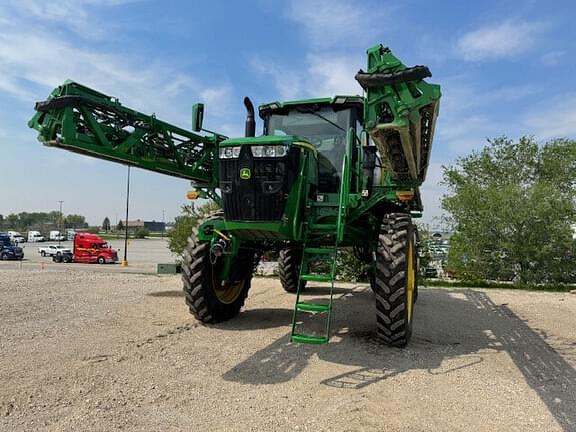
{"points": [[152, 226]]}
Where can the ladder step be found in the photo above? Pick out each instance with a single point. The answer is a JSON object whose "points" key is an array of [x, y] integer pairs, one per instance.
{"points": [[316, 340], [318, 251], [312, 307], [323, 227], [316, 278]]}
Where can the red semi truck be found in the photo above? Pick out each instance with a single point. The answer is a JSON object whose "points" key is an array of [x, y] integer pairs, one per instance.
{"points": [[89, 248]]}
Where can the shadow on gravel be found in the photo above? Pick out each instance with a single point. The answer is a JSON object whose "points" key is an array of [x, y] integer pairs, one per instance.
{"points": [[461, 325], [171, 293], [255, 319]]}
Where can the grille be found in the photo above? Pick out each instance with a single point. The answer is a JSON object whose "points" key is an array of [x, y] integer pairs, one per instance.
{"points": [[263, 195]]}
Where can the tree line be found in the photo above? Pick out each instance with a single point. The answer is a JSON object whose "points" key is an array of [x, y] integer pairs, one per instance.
{"points": [[24, 221]]}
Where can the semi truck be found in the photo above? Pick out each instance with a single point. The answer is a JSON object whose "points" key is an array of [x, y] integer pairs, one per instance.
{"points": [[88, 248]]}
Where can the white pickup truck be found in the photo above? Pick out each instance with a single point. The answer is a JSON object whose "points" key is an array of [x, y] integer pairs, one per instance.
{"points": [[51, 250]]}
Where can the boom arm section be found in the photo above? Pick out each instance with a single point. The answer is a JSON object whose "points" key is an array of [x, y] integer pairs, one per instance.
{"points": [[82, 120], [400, 113]]}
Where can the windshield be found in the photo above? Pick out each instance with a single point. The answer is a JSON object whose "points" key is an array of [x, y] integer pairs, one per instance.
{"points": [[5, 241], [325, 129]]}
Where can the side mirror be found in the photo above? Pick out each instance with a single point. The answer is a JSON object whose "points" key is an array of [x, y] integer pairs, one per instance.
{"points": [[197, 116]]}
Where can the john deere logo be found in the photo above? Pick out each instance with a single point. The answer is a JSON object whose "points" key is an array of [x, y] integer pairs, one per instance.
{"points": [[245, 173]]}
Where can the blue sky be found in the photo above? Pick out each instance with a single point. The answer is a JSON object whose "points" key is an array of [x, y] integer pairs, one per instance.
{"points": [[506, 67]]}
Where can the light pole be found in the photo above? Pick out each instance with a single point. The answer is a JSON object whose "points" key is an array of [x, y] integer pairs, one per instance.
{"points": [[163, 222], [125, 261], [60, 224]]}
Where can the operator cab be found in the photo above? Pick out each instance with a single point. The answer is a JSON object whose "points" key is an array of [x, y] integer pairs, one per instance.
{"points": [[324, 123]]}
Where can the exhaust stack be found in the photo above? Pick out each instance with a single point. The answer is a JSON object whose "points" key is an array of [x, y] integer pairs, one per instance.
{"points": [[250, 128]]}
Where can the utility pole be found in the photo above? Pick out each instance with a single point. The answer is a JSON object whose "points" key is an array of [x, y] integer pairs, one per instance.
{"points": [[60, 224], [125, 261], [163, 222]]}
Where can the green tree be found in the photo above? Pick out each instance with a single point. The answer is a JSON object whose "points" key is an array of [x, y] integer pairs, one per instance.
{"points": [[192, 216], [75, 221], [120, 226], [106, 224], [512, 205]]}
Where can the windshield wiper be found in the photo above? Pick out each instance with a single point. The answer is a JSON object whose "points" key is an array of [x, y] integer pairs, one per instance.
{"points": [[309, 111]]}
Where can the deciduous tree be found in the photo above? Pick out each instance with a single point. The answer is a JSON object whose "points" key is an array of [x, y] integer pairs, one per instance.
{"points": [[512, 206]]}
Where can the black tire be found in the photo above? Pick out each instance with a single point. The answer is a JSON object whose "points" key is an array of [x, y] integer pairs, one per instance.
{"points": [[4, 257], [395, 279], [208, 300], [415, 73], [289, 262], [42, 253], [67, 258], [101, 260]]}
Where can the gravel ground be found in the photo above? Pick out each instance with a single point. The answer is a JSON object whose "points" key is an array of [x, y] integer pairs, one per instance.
{"points": [[108, 351]]}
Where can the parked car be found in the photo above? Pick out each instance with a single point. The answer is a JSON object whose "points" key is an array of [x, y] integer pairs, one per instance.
{"points": [[35, 236], [430, 272], [8, 250], [16, 237], [51, 250], [56, 235]]}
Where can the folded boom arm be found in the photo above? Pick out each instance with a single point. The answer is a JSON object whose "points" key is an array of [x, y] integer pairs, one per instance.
{"points": [[82, 120]]}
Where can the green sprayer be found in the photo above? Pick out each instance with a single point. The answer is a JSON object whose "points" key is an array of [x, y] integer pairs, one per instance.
{"points": [[326, 174]]}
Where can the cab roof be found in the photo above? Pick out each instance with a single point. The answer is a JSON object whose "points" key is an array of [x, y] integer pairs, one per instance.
{"points": [[340, 100]]}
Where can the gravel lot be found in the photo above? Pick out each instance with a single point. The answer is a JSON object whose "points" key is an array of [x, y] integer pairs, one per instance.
{"points": [[85, 350]]}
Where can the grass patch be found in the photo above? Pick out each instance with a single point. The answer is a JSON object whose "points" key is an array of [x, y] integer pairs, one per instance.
{"points": [[494, 284]]}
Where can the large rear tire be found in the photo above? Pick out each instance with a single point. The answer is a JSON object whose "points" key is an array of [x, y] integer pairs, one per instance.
{"points": [[395, 279], [289, 269], [208, 299]]}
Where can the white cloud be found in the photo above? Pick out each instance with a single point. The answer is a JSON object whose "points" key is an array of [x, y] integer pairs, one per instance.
{"points": [[322, 76], [552, 58], [35, 59], [336, 23], [558, 119], [507, 39], [73, 14]]}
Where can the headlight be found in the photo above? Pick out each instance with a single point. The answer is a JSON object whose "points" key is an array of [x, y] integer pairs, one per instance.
{"points": [[269, 151], [230, 152]]}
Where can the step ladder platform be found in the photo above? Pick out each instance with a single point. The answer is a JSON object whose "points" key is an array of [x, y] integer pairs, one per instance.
{"points": [[309, 339], [316, 278], [312, 307]]}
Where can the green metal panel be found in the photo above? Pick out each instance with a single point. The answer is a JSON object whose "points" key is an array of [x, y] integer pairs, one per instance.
{"points": [[85, 121]]}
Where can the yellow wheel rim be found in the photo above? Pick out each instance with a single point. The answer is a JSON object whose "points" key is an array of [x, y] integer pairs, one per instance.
{"points": [[227, 293], [410, 281]]}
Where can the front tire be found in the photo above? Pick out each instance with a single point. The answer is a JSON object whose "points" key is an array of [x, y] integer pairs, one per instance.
{"points": [[289, 269], [208, 298], [395, 279], [101, 260], [43, 253]]}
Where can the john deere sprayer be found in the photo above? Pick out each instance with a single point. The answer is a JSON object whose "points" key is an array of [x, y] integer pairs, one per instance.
{"points": [[326, 174]]}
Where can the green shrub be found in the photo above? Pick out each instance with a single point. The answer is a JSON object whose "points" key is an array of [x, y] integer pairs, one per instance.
{"points": [[141, 233]]}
